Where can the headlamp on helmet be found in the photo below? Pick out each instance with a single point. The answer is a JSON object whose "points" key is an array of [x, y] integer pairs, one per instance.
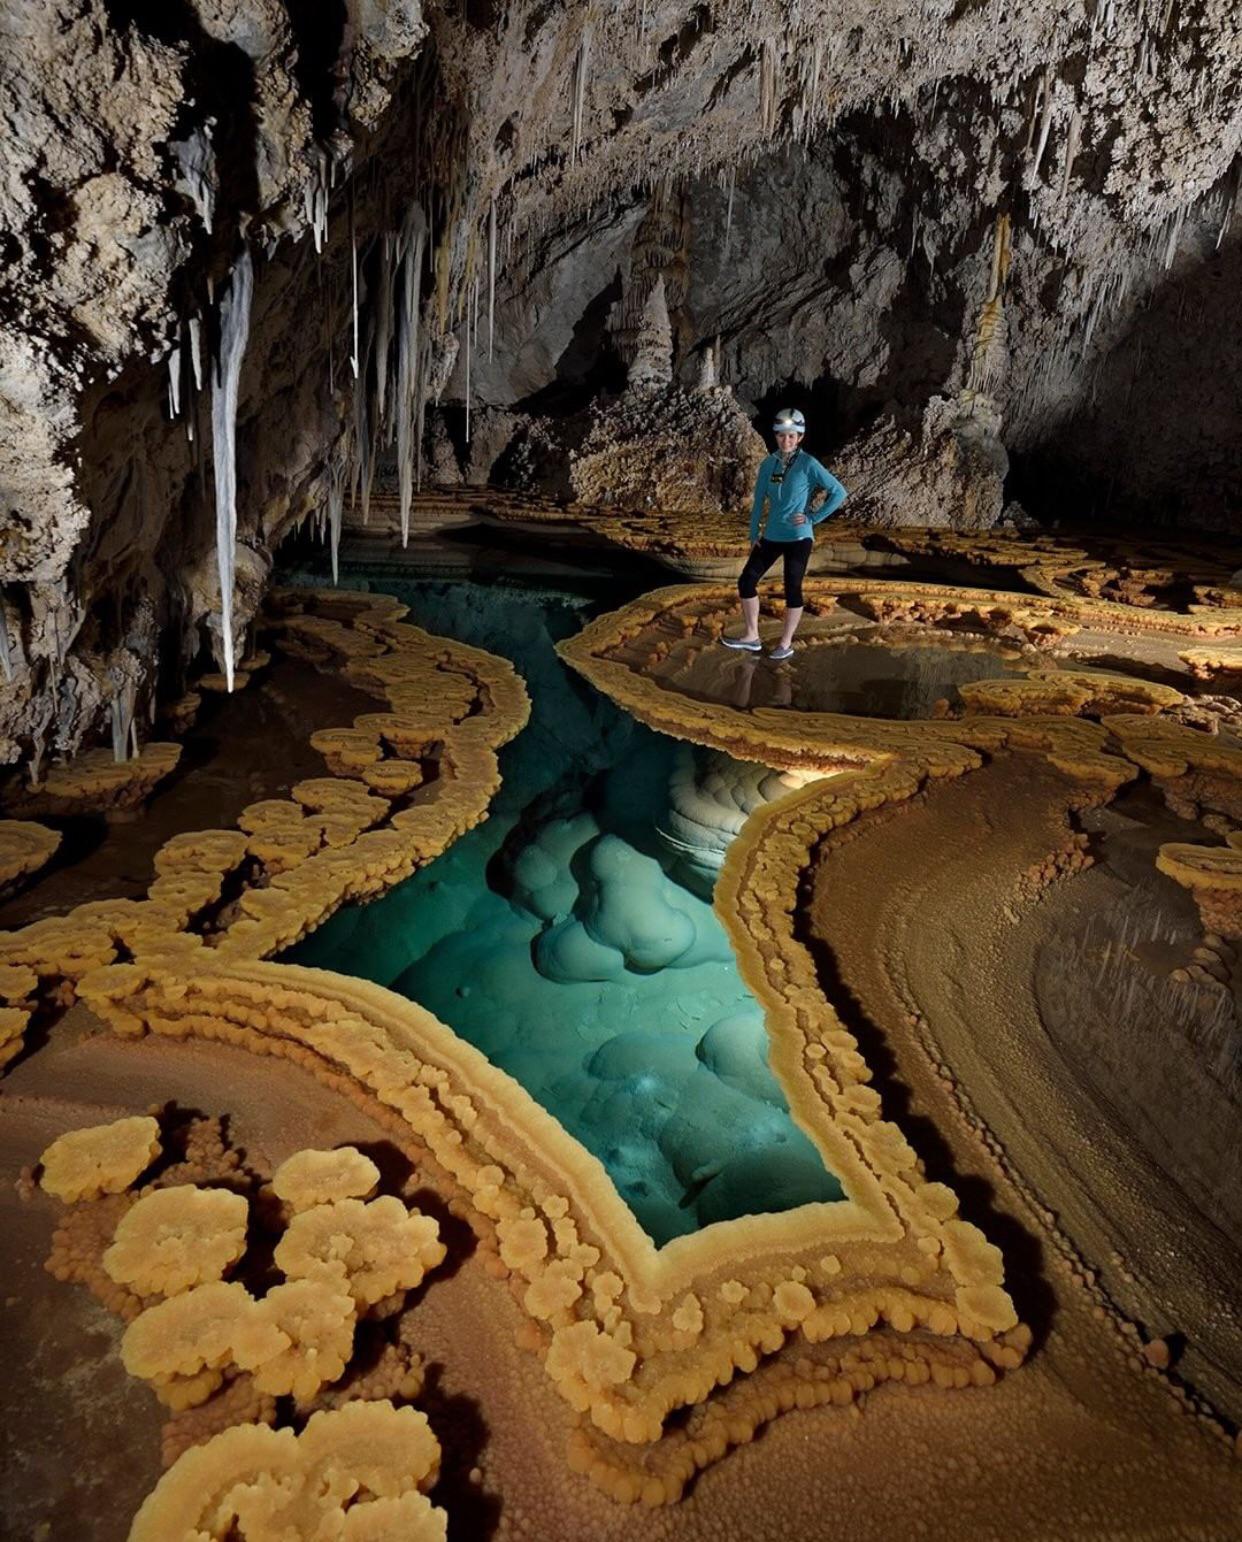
{"points": [[789, 421]]}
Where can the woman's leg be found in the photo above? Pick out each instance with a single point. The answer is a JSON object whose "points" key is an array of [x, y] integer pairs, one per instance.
{"points": [[762, 555], [796, 559]]}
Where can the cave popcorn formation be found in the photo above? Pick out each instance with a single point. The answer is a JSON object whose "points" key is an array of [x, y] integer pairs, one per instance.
{"points": [[493, 1050]]}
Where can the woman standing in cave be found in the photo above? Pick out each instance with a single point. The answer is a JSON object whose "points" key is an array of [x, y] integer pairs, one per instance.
{"points": [[786, 481]]}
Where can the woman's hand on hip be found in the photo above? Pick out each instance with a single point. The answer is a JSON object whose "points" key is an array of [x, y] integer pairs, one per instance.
{"points": [[797, 519]]}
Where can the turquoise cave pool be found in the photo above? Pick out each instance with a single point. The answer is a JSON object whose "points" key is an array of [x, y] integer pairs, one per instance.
{"points": [[571, 938]]}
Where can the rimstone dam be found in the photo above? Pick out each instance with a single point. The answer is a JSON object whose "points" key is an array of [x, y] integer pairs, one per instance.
{"points": [[621, 770]]}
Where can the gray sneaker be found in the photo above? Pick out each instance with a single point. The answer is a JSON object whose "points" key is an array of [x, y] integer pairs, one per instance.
{"points": [[743, 643], [781, 653]]}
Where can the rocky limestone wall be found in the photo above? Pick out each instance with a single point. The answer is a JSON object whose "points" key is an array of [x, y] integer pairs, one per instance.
{"points": [[830, 200]]}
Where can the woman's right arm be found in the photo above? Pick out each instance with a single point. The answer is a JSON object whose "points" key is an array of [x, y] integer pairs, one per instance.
{"points": [[756, 510]]}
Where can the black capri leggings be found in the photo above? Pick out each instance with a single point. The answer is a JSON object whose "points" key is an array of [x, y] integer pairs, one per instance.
{"points": [[763, 554]]}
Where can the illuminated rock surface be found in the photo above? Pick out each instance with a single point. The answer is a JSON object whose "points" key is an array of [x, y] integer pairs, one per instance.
{"points": [[819, 1305]]}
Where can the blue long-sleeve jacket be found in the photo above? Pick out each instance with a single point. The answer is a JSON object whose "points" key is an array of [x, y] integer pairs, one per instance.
{"points": [[790, 496]]}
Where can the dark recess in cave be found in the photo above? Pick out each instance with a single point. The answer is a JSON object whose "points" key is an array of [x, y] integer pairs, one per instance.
{"points": [[1178, 358], [588, 366], [220, 84], [321, 33]]}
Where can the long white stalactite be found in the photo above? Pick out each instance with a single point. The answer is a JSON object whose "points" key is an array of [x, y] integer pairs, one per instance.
{"points": [[491, 278], [406, 408], [234, 333]]}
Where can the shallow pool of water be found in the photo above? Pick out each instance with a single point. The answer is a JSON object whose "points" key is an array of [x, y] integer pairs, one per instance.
{"points": [[572, 943], [863, 678]]}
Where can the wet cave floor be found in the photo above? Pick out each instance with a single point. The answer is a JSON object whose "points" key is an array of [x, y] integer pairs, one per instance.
{"points": [[1097, 1084], [1035, 1120]]}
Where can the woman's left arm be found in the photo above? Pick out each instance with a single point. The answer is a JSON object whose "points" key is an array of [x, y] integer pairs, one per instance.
{"points": [[836, 493]]}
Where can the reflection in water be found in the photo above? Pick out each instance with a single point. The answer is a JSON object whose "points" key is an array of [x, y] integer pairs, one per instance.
{"points": [[572, 940], [850, 674]]}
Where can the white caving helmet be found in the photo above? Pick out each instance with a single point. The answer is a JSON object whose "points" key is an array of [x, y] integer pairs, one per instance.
{"points": [[789, 421]]}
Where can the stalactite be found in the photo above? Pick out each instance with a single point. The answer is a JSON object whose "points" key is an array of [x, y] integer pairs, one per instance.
{"points": [[1045, 124], [234, 333], [768, 99], [195, 329], [491, 278], [364, 426], [468, 353], [174, 381], [729, 215], [353, 269], [581, 68], [817, 68], [383, 325], [336, 507], [409, 368], [122, 710], [1231, 204], [1071, 149], [6, 648], [316, 197], [38, 737], [1176, 223]]}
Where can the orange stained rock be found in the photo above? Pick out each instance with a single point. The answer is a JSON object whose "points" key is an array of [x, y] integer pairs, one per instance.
{"points": [[375, 1459], [314, 1319], [317, 849], [1077, 693], [101, 1159], [95, 782], [24, 847], [1218, 662], [616, 1319], [13, 1021], [177, 1237], [192, 1332], [375, 1247], [619, 1310], [309, 1178], [1213, 874]]}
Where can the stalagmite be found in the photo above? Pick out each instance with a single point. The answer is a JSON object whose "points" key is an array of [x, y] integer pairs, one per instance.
{"points": [[234, 331], [653, 349]]}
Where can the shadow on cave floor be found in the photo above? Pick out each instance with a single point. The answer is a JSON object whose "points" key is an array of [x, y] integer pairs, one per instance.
{"points": [[250, 745]]}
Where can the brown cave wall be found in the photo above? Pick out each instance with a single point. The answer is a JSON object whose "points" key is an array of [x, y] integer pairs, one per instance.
{"points": [[1156, 434]]}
